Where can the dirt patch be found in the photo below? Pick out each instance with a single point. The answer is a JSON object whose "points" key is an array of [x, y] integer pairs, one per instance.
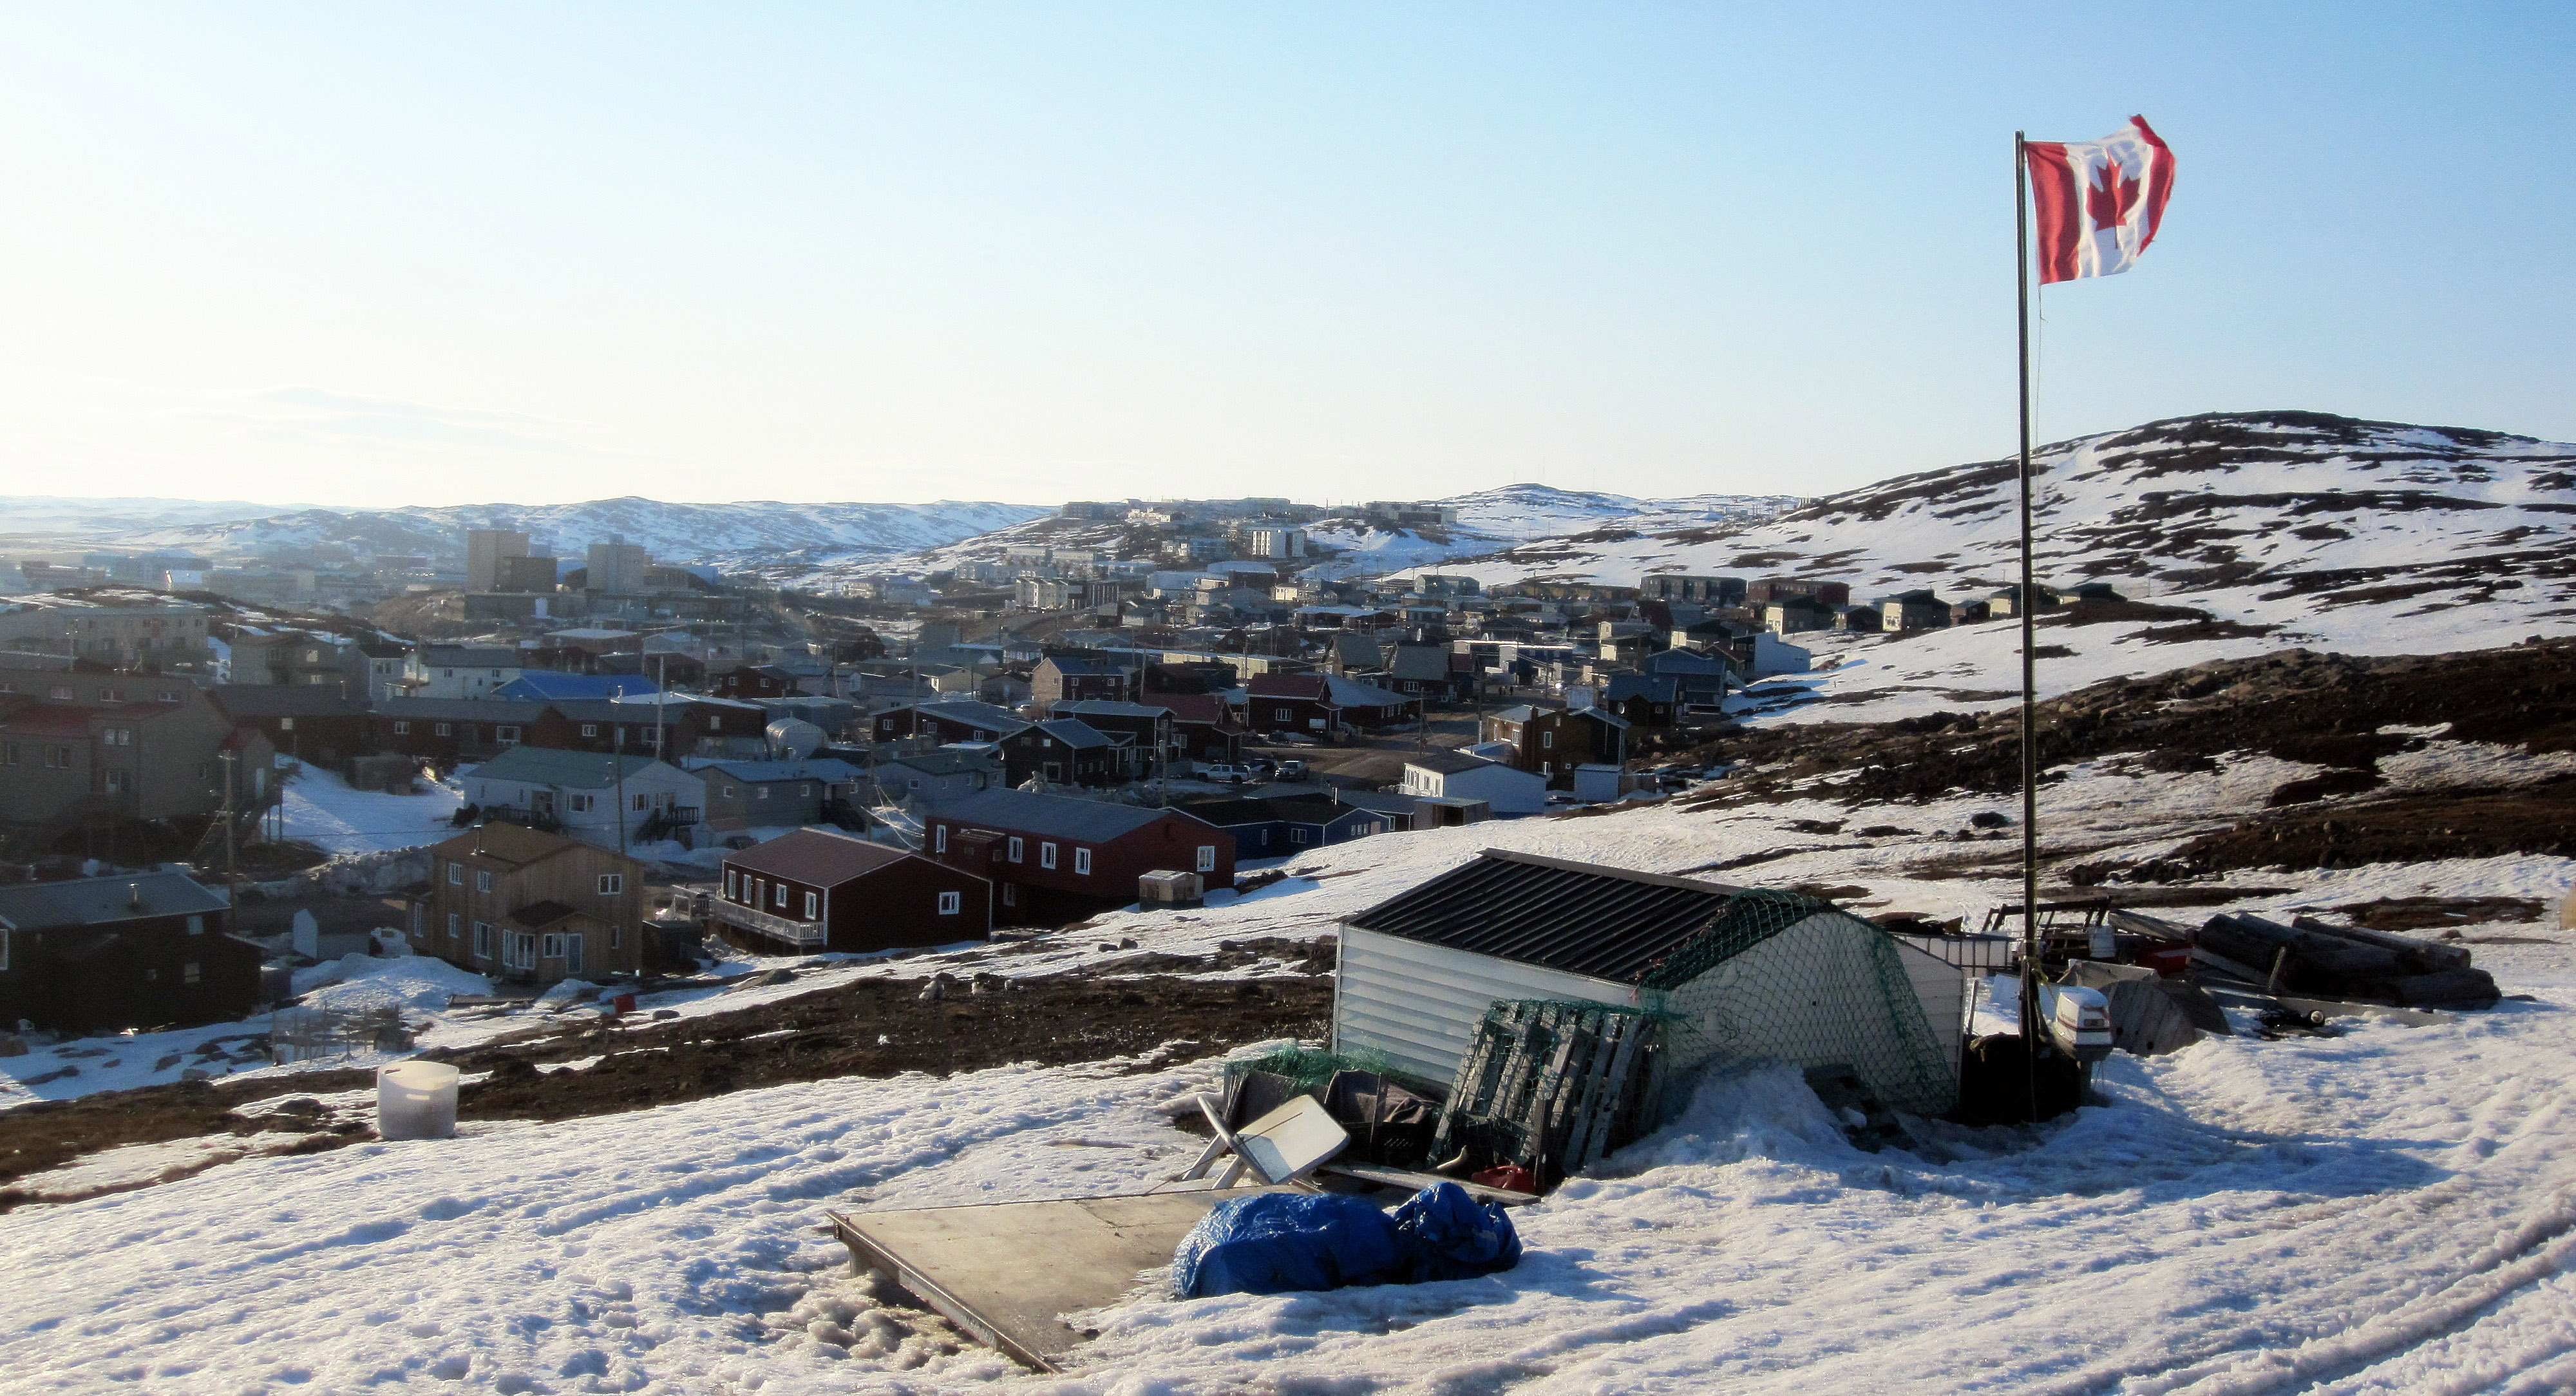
{"points": [[871, 1027], [2318, 709], [2421, 828], [2429, 913]]}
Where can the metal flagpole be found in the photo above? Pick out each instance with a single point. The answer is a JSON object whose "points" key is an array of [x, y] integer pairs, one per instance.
{"points": [[2026, 604]]}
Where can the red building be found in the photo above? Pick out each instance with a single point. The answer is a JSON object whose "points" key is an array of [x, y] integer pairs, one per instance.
{"points": [[1055, 859], [815, 890]]}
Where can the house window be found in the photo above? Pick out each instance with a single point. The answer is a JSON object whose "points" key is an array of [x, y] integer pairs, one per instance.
{"points": [[938, 838], [778, 894], [482, 882], [519, 950], [286, 724], [804, 792], [728, 792], [813, 906], [1010, 894], [1207, 857], [60, 693], [590, 729], [455, 927], [1015, 848], [1082, 862], [402, 729], [1296, 836], [616, 937], [169, 695], [196, 925], [443, 729], [1547, 739], [730, 874], [760, 792], [506, 736], [119, 782], [1046, 855], [581, 804], [1283, 715], [640, 805], [483, 940], [456, 874], [611, 884], [118, 736], [950, 903], [189, 973]]}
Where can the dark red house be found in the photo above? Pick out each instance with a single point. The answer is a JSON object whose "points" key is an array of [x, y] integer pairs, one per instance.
{"points": [[816, 890], [961, 720], [311, 721], [1055, 859], [146, 950]]}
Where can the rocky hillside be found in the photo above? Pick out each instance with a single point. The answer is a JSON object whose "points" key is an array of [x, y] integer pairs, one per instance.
{"points": [[2233, 534]]}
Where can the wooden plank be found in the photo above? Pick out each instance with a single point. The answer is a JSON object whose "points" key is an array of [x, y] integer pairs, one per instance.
{"points": [[1412, 1181], [1006, 1272]]}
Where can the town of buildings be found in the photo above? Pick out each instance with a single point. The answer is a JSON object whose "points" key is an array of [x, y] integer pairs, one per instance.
{"points": [[1012, 742]]}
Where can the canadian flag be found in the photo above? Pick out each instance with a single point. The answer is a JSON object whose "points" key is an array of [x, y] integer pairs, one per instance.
{"points": [[2099, 202]]}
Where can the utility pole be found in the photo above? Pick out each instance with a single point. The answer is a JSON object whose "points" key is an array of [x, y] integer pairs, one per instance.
{"points": [[232, 867]]}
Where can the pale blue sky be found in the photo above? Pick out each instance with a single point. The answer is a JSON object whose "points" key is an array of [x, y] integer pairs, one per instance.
{"points": [[432, 254]]}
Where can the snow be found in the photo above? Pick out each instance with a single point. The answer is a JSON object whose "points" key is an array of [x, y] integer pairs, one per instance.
{"points": [[2337, 1214], [321, 809], [415, 982], [2353, 1213]]}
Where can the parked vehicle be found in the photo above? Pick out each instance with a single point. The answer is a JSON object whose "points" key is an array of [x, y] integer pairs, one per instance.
{"points": [[1232, 775], [1291, 769]]}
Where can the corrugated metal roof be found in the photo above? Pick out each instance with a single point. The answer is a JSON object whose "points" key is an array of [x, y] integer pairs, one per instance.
{"points": [[1582, 918]]}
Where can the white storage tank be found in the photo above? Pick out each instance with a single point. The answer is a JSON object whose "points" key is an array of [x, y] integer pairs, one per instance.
{"points": [[416, 1100]]}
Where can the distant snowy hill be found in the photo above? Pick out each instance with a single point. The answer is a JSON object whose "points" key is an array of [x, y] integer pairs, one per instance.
{"points": [[83, 518], [744, 534], [2252, 531], [1493, 520], [1488, 521]]}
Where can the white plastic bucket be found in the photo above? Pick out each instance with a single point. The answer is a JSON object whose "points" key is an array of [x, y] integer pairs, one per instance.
{"points": [[416, 1100]]}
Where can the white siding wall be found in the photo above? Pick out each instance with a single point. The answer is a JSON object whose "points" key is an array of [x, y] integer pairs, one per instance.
{"points": [[1509, 791], [1419, 1003]]}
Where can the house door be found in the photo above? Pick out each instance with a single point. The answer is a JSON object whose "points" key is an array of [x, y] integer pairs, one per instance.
{"points": [[543, 801], [1054, 773]]}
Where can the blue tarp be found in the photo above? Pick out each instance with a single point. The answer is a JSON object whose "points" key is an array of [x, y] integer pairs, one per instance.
{"points": [[1283, 1241]]}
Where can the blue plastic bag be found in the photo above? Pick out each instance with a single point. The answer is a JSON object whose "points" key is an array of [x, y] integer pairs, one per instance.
{"points": [[1447, 1235], [1279, 1241]]}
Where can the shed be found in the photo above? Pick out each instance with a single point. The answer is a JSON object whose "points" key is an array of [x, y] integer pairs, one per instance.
{"points": [[1745, 973]]}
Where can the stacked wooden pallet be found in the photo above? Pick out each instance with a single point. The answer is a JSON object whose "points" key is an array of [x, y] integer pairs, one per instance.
{"points": [[1551, 1086]]}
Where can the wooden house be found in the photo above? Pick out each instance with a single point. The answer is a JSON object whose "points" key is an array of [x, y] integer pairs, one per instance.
{"points": [[142, 950], [1553, 741], [1054, 858], [525, 904], [815, 890]]}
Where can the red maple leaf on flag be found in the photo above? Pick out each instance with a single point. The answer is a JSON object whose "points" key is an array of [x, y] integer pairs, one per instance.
{"points": [[2109, 202]]}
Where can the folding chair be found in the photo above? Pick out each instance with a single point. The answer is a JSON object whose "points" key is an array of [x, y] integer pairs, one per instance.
{"points": [[1285, 1146]]}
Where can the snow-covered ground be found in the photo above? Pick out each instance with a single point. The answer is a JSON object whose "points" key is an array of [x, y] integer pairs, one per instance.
{"points": [[322, 810], [2393, 1209]]}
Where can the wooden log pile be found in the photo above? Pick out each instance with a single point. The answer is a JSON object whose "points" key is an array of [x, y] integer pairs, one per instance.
{"points": [[2317, 957]]}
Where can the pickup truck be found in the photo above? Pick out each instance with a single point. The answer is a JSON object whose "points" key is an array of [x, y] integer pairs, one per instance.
{"points": [[1234, 775]]}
